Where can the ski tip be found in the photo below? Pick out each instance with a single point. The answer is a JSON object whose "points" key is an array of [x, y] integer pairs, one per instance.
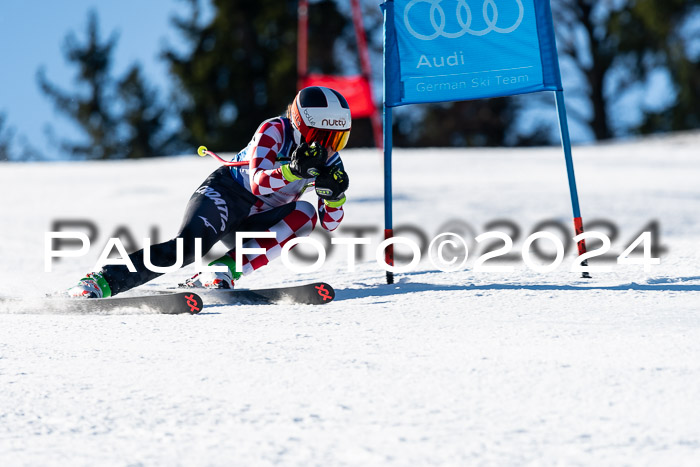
{"points": [[193, 302], [325, 292]]}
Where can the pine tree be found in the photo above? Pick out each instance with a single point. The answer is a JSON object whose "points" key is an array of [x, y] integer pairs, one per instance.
{"points": [[6, 135], [119, 118], [616, 46], [89, 110], [143, 119], [653, 32]]}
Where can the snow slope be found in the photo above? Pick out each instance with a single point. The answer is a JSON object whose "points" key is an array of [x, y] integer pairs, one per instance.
{"points": [[460, 368]]}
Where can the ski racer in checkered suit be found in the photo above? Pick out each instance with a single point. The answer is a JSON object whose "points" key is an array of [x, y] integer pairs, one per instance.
{"points": [[286, 156]]}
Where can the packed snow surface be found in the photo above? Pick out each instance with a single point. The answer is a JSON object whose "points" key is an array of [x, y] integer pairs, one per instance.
{"points": [[451, 368]]}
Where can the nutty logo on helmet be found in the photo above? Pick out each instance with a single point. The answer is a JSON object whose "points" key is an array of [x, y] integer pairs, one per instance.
{"points": [[341, 123]]}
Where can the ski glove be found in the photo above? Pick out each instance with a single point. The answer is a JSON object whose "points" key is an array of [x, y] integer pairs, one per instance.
{"points": [[331, 185], [307, 162]]}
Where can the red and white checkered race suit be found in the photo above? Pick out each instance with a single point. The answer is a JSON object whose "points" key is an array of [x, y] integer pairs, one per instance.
{"points": [[267, 152], [254, 197]]}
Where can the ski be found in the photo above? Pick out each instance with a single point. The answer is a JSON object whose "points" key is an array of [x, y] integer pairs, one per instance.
{"points": [[169, 303], [317, 293]]}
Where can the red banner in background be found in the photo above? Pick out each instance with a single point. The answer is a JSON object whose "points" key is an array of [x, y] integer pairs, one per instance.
{"points": [[355, 89]]}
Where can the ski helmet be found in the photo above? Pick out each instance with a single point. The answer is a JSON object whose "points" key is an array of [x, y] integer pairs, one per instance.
{"points": [[322, 115]]}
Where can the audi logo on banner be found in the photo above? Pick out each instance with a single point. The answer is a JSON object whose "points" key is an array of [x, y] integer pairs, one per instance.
{"points": [[464, 16]]}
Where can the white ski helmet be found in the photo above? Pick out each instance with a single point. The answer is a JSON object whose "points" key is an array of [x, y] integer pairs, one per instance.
{"points": [[322, 115]]}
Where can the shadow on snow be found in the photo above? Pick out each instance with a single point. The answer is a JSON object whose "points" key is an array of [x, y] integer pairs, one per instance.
{"points": [[669, 284]]}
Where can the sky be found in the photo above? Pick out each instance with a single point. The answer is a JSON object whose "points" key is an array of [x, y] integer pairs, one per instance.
{"points": [[32, 33]]}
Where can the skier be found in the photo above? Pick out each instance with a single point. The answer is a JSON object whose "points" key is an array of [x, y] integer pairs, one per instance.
{"points": [[286, 156]]}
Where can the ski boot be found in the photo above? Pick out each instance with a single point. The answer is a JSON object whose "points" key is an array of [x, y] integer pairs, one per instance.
{"points": [[215, 280], [93, 285]]}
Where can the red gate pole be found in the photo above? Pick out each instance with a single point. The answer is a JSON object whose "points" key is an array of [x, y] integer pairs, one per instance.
{"points": [[366, 69], [302, 37]]}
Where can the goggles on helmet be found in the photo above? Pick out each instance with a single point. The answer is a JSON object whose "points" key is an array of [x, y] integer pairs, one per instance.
{"points": [[334, 139]]}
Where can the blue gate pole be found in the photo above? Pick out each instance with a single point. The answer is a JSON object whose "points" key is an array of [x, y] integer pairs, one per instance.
{"points": [[388, 10], [566, 144], [388, 221]]}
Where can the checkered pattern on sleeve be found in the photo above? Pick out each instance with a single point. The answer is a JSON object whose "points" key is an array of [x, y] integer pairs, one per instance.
{"points": [[330, 217], [267, 142]]}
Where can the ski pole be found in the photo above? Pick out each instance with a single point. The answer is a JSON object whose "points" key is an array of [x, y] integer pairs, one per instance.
{"points": [[203, 151]]}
